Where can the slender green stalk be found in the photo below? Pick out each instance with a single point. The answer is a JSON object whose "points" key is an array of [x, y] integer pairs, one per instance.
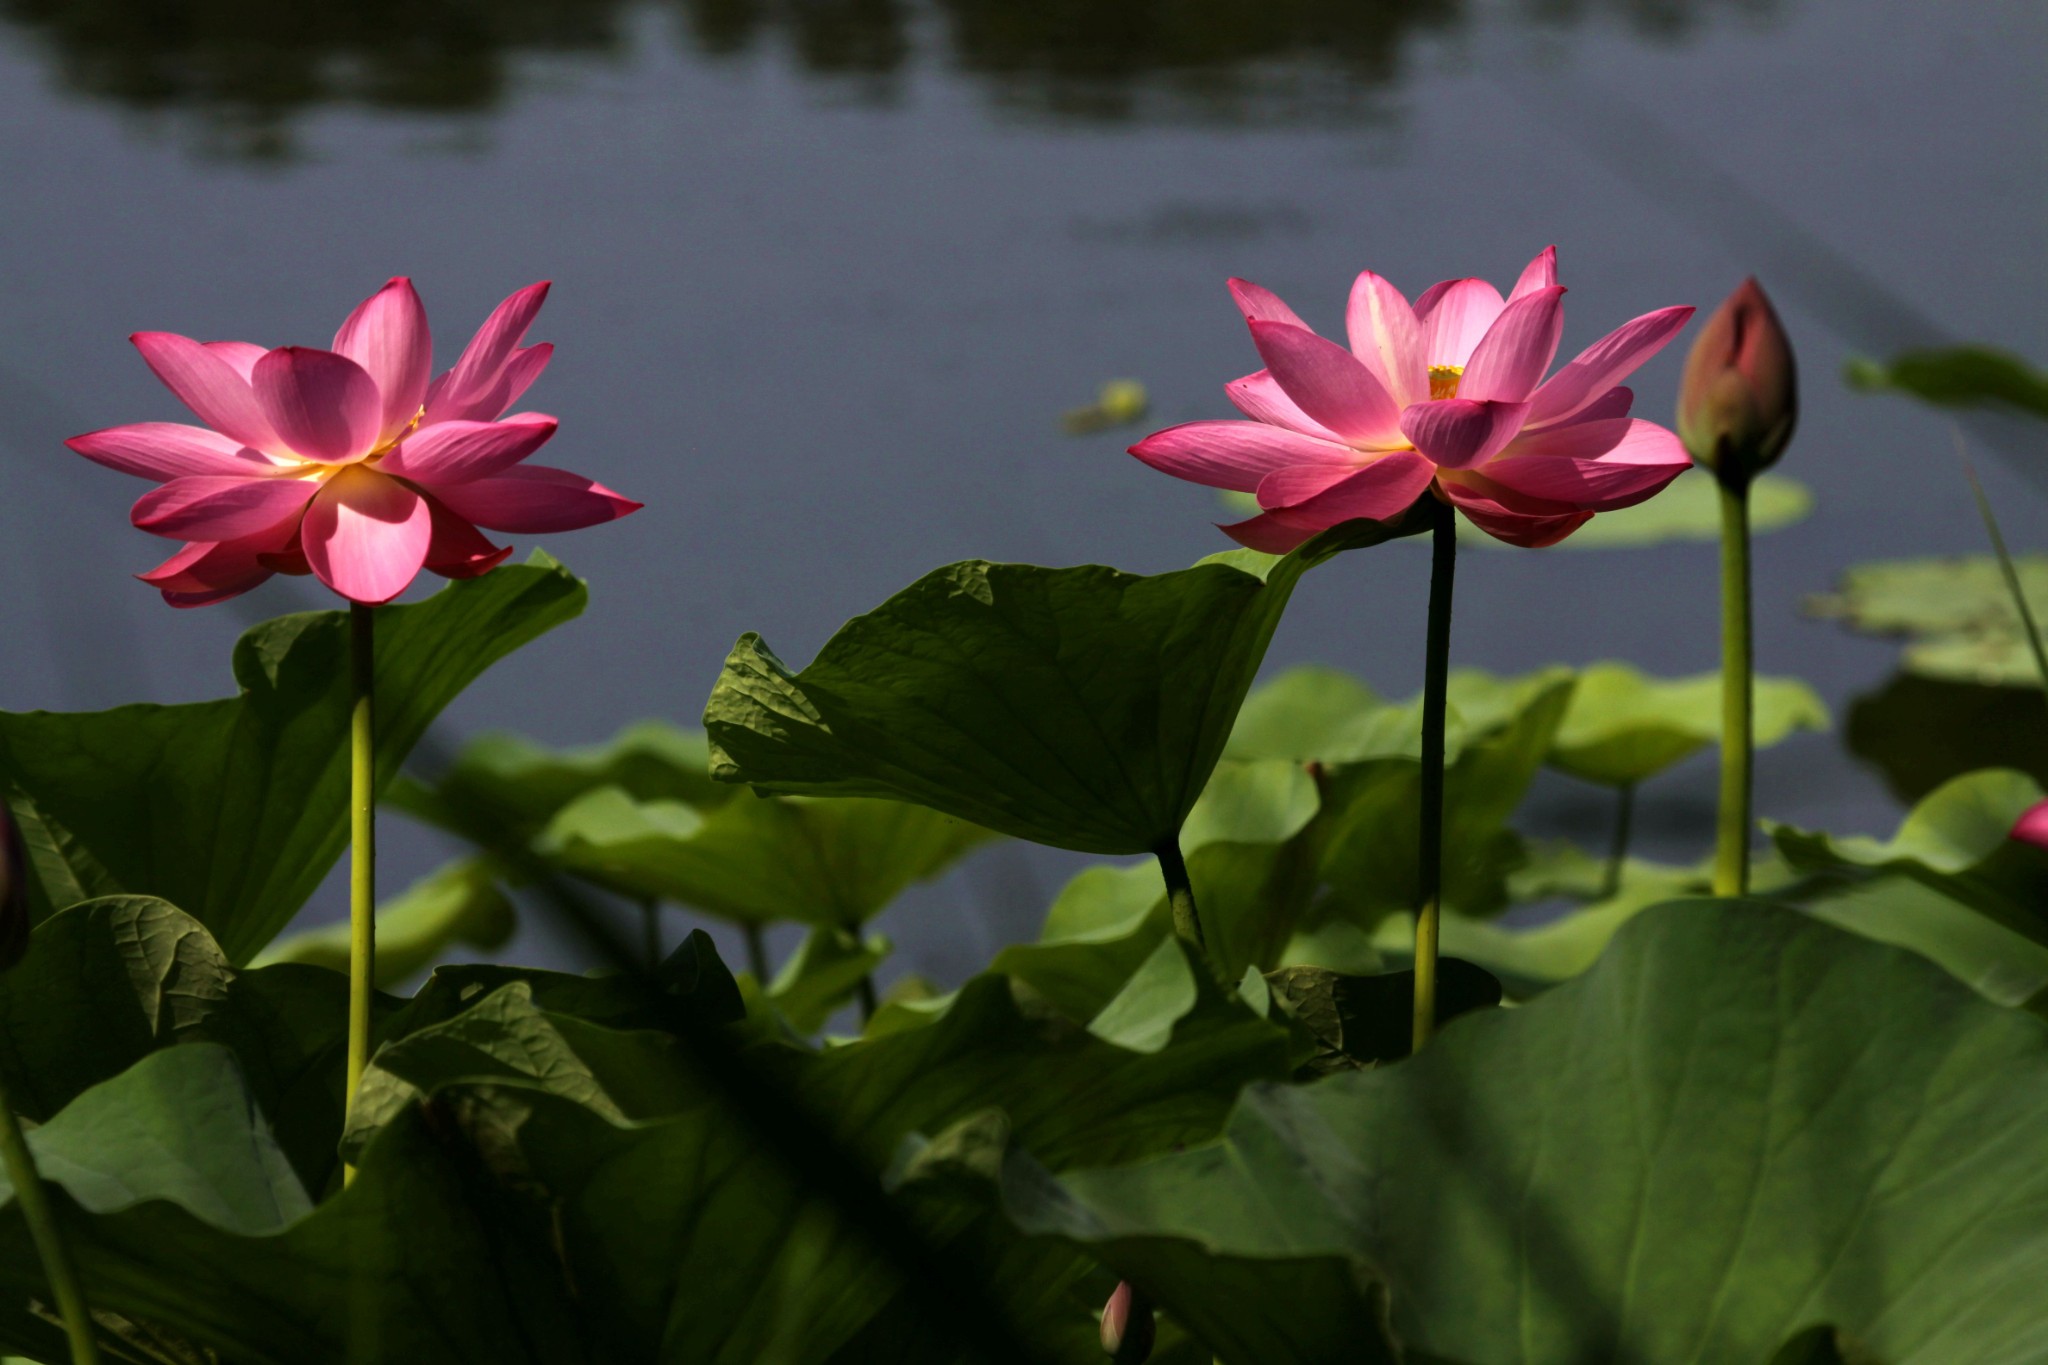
{"points": [[1738, 703], [362, 874], [868, 1003], [1624, 822], [1180, 895], [41, 1218], [650, 932], [2005, 564], [757, 953], [1436, 677]]}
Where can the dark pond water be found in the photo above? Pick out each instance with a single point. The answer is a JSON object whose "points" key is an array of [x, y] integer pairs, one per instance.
{"points": [[826, 274]]}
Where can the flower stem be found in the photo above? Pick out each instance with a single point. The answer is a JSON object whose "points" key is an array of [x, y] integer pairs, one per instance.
{"points": [[650, 932], [41, 1218], [1731, 847], [362, 879], [1624, 822], [1436, 675], [1180, 895], [757, 953]]}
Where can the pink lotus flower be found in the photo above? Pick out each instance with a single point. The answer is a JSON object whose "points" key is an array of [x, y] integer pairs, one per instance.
{"points": [[1446, 394], [2032, 826], [347, 463]]}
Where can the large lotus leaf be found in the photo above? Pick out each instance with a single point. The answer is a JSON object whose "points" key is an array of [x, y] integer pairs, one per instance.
{"points": [[1253, 873], [520, 784], [1958, 377], [1741, 1124], [1934, 921], [680, 1229], [193, 1227], [1533, 959], [1080, 707], [1919, 732], [823, 975], [1624, 727], [460, 903], [1957, 614], [1371, 853], [1956, 841], [1308, 714], [107, 982], [235, 809], [692, 980], [831, 861]]}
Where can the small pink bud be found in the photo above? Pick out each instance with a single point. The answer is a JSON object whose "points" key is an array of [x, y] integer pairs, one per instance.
{"points": [[1739, 398], [2032, 826], [13, 892], [1127, 1326]]}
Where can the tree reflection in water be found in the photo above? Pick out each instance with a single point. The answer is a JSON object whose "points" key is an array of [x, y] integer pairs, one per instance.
{"points": [[244, 68]]}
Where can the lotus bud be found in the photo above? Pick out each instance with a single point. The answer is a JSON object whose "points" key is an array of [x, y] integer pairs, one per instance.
{"points": [[1127, 1326], [13, 891], [2032, 826], [1739, 398]]}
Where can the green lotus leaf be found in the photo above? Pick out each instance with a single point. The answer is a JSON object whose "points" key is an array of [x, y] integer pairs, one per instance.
{"points": [[832, 861], [460, 903], [1370, 854], [1957, 615], [1082, 708], [1624, 727], [1957, 377], [1955, 841], [108, 982], [1740, 1125], [235, 809], [518, 783], [824, 975]]}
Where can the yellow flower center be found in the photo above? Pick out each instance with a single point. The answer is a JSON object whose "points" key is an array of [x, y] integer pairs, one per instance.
{"points": [[1443, 380]]}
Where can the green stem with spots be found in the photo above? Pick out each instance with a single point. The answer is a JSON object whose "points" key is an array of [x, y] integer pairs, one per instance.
{"points": [[1731, 845], [362, 874], [41, 1217]]}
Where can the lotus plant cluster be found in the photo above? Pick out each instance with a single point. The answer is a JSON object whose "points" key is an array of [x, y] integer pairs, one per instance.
{"points": [[1250, 1098]]}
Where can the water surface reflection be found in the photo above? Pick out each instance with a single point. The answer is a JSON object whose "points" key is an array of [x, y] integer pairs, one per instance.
{"points": [[236, 74]]}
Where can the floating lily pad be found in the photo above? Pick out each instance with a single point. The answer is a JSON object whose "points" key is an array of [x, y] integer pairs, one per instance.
{"points": [[1957, 615], [1624, 727]]}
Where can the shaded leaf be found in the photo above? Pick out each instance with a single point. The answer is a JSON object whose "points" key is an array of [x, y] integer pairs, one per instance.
{"points": [[1371, 856], [1956, 377], [514, 782], [823, 975], [835, 862], [1955, 841], [457, 904], [1082, 707], [1654, 1163], [1360, 1020], [1624, 727], [109, 982], [1919, 732], [235, 809]]}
